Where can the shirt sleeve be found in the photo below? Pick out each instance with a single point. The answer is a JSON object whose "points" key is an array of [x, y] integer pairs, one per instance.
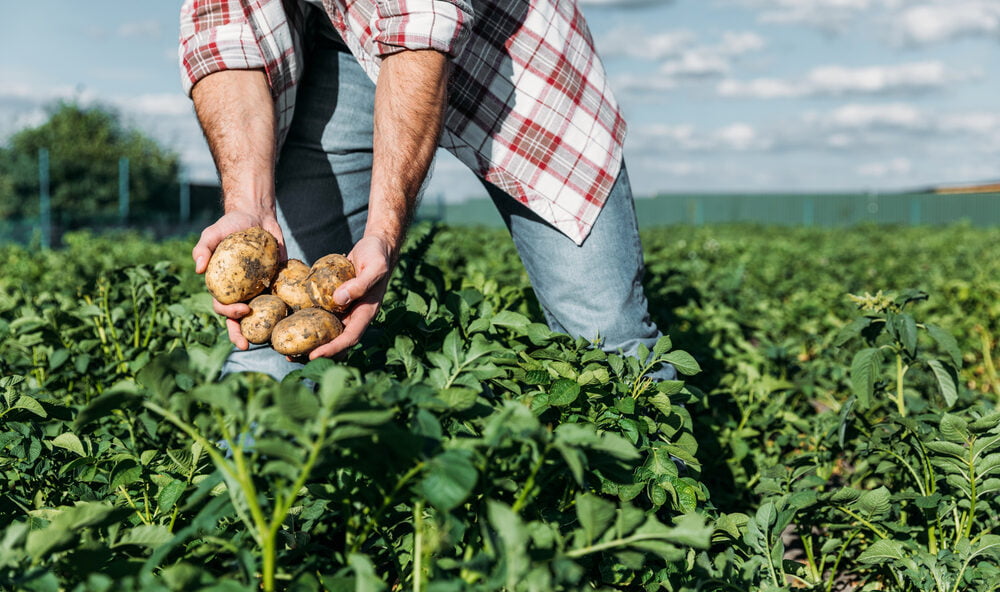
{"points": [[442, 25], [215, 35]]}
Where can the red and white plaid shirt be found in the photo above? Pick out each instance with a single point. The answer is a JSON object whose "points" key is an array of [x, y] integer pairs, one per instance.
{"points": [[530, 109]]}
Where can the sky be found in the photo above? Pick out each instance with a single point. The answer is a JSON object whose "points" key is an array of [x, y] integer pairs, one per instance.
{"points": [[719, 95]]}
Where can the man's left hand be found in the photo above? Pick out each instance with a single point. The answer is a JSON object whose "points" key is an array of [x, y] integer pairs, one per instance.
{"points": [[373, 262]]}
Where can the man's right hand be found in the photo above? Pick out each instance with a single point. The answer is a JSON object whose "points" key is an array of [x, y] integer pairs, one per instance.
{"points": [[210, 238]]}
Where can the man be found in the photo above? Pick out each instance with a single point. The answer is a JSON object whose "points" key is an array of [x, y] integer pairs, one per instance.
{"points": [[313, 150]]}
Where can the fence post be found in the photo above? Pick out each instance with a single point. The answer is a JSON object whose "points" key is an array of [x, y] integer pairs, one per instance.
{"points": [[915, 210], [185, 213], [123, 190], [696, 210], [808, 213], [44, 199]]}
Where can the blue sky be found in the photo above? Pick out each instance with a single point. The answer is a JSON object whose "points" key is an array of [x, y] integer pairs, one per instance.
{"points": [[720, 95]]}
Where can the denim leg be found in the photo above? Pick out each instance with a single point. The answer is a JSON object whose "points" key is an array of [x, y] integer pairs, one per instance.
{"points": [[593, 290], [323, 175]]}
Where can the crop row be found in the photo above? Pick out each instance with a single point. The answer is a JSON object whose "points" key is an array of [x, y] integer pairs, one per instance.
{"points": [[835, 428]]}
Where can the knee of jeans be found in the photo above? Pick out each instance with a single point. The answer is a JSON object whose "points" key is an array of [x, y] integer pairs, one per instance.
{"points": [[259, 358]]}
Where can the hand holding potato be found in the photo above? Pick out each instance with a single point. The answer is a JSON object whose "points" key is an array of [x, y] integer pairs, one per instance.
{"points": [[362, 296], [234, 221]]}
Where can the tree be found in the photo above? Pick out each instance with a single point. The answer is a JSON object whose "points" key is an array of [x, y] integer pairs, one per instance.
{"points": [[85, 145]]}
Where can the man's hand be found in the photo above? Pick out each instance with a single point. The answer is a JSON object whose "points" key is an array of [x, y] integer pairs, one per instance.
{"points": [[236, 113], [410, 98], [373, 261], [210, 238]]}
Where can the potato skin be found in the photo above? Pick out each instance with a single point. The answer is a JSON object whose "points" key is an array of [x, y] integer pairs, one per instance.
{"points": [[290, 284], [242, 266], [304, 331], [266, 311], [327, 274]]}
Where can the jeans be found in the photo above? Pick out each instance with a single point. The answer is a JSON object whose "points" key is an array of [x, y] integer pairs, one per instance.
{"points": [[322, 179]]}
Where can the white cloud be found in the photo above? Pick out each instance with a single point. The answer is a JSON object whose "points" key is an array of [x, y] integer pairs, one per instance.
{"points": [[836, 81], [140, 29], [823, 14], [944, 21], [624, 3], [735, 137], [903, 118], [682, 55], [637, 42], [163, 104], [894, 167]]}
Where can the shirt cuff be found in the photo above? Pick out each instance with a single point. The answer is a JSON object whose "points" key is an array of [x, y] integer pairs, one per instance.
{"points": [[225, 47], [442, 25]]}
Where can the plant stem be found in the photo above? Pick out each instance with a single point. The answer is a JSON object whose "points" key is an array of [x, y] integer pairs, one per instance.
{"points": [[971, 516], [386, 503], [900, 371], [418, 545], [836, 563], [529, 483], [872, 527]]}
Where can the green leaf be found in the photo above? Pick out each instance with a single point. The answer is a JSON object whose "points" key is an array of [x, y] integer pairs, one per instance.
{"points": [[169, 494], [595, 515], [58, 358], [296, 402], [947, 342], [509, 318], [563, 392], [458, 398], [875, 502], [449, 478], [881, 551], [955, 429], [366, 580], [851, 330], [333, 391], [663, 345], [864, 373], [947, 381], [906, 330], [69, 441], [683, 362], [106, 404], [145, 535], [125, 473], [690, 530], [514, 541], [29, 404]]}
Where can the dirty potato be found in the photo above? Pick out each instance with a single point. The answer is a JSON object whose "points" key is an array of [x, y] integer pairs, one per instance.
{"points": [[242, 266], [290, 284], [266, 311], [304, 331], [327, 274]]}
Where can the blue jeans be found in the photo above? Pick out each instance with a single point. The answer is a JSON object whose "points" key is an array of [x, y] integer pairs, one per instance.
{"points": [[323, 177]]}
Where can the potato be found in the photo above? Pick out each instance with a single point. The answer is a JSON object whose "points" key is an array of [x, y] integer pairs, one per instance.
{"points": [[265, 312], [304, 331], [327, 274], [290, 284], [242, 266]]}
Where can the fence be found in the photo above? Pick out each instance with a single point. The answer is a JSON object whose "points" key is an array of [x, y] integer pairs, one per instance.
{"points": [[777, 209], [194, 206]]}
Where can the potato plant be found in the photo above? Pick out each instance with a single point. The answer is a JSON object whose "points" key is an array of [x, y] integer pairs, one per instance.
{"points": [[815, 441]]}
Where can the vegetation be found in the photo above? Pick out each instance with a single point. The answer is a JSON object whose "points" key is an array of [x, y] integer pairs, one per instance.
{"points": [[836, 427], [85, 145]]}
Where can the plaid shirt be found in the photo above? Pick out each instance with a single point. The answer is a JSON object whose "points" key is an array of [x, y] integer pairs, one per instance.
{"points": [[530, 109]]}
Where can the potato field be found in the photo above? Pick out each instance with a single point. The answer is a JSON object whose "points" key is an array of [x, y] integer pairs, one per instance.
{"points": [[836, 426]]}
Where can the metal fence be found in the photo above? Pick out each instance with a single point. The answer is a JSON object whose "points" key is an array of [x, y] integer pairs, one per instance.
{"points": [[911, 209], [822, 210]]}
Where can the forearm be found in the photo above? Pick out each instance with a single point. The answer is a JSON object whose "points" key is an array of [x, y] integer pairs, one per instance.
{"points": [[236, 114], [410, 99]]}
